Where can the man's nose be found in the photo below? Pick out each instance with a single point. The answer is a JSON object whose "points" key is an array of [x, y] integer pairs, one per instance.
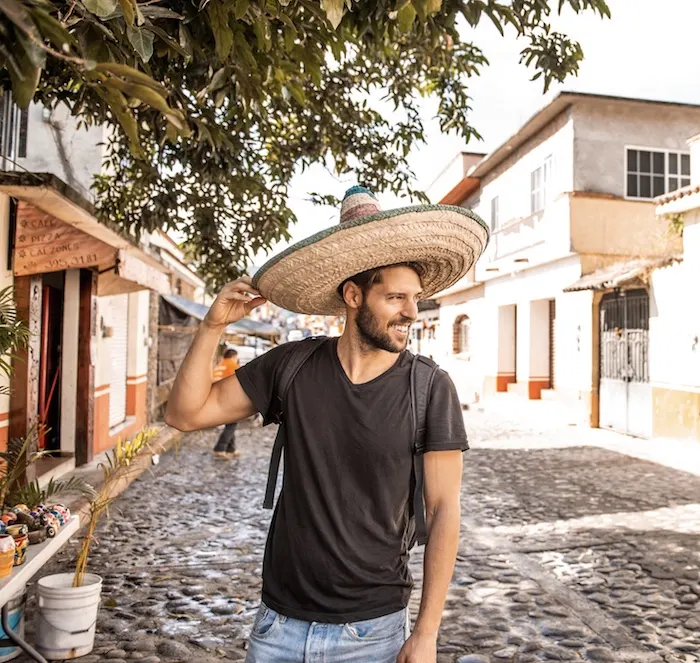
{"points": [[410, 310]]}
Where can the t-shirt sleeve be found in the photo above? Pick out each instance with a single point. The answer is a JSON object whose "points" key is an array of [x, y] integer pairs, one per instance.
{"points": [[445, 424], [259, 379]]}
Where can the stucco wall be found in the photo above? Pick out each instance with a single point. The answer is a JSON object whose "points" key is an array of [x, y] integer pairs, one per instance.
{"points": [[619, 227], [467, 371], [674, 326], [56, 145], [604, 128], [510, 181]]}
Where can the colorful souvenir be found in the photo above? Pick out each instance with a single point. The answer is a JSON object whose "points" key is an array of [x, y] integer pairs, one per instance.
{"points": [[61, 512], [3, 527], [37, 536], [21, 544], [24, 519], [7, 555], [17, 530], [59, 516], [52, 524], [21, 508], [8, 517]]}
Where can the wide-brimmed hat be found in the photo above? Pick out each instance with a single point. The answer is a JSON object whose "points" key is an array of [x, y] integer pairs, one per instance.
{"points": [[445, 240]]}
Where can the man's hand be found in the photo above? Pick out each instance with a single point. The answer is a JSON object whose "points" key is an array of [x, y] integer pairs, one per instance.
{"points": [[235, 301], [419, 649]]}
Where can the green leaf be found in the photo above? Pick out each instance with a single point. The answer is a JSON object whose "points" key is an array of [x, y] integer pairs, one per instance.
{"points": [[241, 9], [219, 79], [290, 36], [261, 26], [185, 39], [131, 74], [434, 6], [25, 81], [167, 39], [223, 35], [421, 7], [101, 8], [53, 30], [406, 17], [129, 12], [142, 41], [335, 9], [297, 92]]}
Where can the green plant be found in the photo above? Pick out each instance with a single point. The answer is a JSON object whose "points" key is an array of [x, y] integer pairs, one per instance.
{"points": [[115, 469], [33, 494], [676, 224], [14, 335], [14, 462]]}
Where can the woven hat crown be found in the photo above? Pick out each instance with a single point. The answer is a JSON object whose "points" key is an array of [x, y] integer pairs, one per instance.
{"points": [[358, 202]]}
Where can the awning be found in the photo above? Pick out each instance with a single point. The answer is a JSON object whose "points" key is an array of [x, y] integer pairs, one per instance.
{"points": [[57, 229], [621, 273], [245, 327]]}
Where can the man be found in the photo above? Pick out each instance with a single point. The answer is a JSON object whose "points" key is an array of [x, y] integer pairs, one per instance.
{"points": [[336, 582], [226, 444]]}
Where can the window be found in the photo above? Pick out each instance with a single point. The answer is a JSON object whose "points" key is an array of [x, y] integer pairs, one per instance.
{"points": [[23, 123], [9, 130], [539, 180], [460, 335], [494, 213], [652, 173]]}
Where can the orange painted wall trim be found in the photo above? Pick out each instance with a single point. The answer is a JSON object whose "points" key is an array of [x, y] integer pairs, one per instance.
{"points": [[503, 380], [136, 400], [4, 430], [535, 387]]}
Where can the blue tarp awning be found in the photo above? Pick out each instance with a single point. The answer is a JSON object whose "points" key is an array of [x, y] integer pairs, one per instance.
{"points": [[245, 327]]}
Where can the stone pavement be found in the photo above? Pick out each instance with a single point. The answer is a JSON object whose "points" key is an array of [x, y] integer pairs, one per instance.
{"points": [[570, 550]]}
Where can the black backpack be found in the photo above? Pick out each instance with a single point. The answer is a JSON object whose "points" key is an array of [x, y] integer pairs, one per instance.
{"points": [[423, 372]]}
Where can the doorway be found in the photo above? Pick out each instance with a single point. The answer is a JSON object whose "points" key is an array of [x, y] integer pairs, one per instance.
{"points": [[53, 285]]}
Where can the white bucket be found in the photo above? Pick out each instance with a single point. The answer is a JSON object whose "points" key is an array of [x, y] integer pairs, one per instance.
{"points": [[16, 623], [66, 616]]}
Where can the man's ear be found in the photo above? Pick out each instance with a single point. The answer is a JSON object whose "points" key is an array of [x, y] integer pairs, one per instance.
{"points": [[352, 295]]}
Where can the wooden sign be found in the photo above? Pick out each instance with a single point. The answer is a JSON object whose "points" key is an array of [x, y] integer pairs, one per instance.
{"points": [[45, 244]]}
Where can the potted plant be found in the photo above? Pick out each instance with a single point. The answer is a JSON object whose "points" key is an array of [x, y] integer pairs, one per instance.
{"points": [[68, 603]]}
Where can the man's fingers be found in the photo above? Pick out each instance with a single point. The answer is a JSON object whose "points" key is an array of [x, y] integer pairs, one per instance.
{"points": [[238, 286], [238, 296], [254, 303]]}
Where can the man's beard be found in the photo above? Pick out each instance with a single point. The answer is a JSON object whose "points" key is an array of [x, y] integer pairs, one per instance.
{"points": [[374, 336]]}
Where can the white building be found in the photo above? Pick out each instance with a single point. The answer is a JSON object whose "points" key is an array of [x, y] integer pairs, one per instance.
{"points": [[570, 193]]}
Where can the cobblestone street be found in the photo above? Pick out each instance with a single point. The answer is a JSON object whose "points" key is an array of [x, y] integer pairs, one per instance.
{"points": [[570, 551]]}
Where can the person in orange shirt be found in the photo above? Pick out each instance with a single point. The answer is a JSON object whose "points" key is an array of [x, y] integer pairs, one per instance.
{"points": [[226, 444]]}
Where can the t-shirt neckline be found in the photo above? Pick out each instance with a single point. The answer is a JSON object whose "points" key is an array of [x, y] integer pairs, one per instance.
{"points": [[360, 385]]}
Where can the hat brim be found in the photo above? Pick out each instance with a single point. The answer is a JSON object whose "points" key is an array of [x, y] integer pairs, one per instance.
{"points": [[446, 240]]}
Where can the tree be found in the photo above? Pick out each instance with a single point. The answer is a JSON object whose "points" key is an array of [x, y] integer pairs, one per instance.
{"points": [[213, 104]]}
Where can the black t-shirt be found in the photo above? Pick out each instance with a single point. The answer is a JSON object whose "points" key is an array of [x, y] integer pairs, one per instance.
{"points": [[337, 547]]}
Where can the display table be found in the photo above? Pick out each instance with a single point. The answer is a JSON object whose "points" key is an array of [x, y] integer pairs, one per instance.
{"points": [[15, 583]]}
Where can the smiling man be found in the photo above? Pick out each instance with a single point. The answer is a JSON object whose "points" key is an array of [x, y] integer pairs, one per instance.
{"points": [[336, 582]]}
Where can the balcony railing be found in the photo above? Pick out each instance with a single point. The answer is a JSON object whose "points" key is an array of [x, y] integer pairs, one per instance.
{"points": [[10, 123], [516, 235]]}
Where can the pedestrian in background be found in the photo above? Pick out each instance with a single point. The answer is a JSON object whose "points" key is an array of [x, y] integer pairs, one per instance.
{"points": [[226, 444]]}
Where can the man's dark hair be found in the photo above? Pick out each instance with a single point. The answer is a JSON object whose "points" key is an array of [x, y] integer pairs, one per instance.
{"points": [[230, 352], [365, 280]]}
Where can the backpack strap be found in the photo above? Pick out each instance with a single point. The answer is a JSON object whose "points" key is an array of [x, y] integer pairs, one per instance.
{"points": [[294, 361], [423, 371]]}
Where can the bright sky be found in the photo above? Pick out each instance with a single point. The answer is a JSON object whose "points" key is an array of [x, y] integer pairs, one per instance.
{"points": [[647, 49]]}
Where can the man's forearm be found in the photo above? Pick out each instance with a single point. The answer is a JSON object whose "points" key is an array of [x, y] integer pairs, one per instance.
{"points": [[193, 383], [438, 566]]}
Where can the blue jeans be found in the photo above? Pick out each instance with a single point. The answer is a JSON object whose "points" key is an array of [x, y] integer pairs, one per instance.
{"points": [[279, 639]]}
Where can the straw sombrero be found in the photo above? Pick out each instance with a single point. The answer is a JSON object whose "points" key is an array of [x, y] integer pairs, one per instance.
{"points": [[444, 239]]}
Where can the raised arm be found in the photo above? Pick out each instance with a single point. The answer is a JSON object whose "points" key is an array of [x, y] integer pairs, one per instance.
{"points": [[196, 401]]}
